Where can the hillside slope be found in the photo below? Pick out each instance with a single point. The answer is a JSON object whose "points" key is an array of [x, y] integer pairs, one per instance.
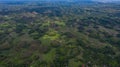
{"points": [[59, 34]]}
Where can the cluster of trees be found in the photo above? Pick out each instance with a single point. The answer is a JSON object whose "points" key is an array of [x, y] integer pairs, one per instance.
{"points": [[59, 35]]}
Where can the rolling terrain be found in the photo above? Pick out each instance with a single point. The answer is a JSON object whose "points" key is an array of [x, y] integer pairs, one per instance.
{"points": [[59, 34]]}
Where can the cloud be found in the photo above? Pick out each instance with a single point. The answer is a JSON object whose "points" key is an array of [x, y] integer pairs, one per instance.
{"points": [[106, 0]]}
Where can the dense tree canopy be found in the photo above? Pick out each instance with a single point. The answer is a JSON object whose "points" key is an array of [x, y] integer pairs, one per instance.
{"points": [[61, 34]]}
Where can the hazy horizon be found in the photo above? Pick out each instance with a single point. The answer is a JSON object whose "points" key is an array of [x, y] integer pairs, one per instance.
{"points": [[65, 0]]}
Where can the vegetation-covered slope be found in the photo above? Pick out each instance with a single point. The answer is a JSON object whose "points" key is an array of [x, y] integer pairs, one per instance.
{"points": [[59, 34]]}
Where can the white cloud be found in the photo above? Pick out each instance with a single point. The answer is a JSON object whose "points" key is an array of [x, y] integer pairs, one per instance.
{"points": [[106, 0]]}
